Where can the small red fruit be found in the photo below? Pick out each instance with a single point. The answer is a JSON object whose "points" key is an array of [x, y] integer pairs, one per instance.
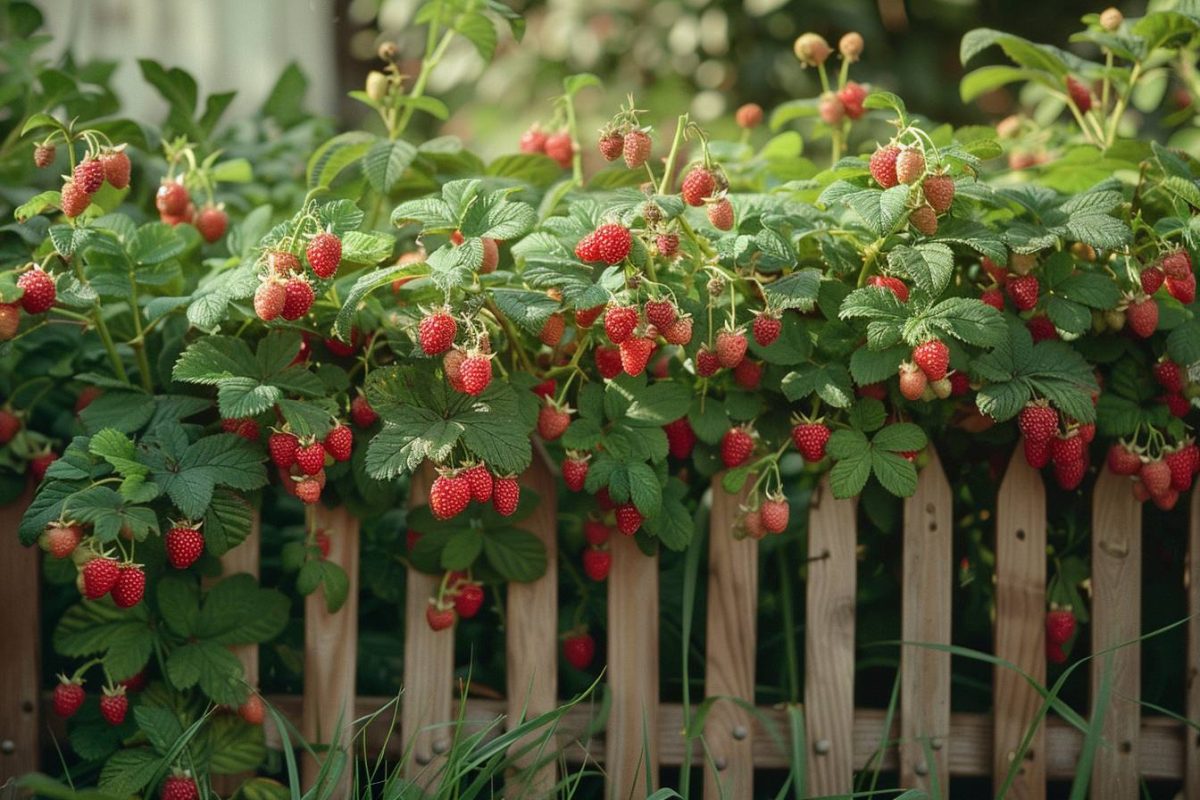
{"points": [[99, 577], [597, 563], [680, 438], [720, 214], [184, 545], [361, 412], [475, 373], [480, 482], [810, 439], [1023, 291], [212, 222], [60, 539], [130, 587], [698, 185], [912, 381], [469, 600], [73, 200], [38, 291], [895, 285], [172, 199], [635, 354], [661, 313], [1038, 422], [270, 298], [114, 705], [575, 470], [339, 442], [766, 328], [774, 513], [629, 519], [560, 147], [506, 495], [324, 254], [68, 697], [1060, 626], [613, 242], [436, 333], [117, 167], [310, 458], [252, 711], [731, 347], [552, 421], [449, 495], [1142, 316], [933, 357], [439, 617], [611, 144], [883, 166], [636, 148], [619, 323], [579, 649], [43, 155], [939, 192], [1151, 279], [1080, 96], [89, 175], [737, 445], [298, 298]]}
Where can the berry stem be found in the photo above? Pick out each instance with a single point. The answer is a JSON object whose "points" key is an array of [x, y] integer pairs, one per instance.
{"points": [[669, 167], [428, 64], [512, 334], [1122, 102], [573, 130]]}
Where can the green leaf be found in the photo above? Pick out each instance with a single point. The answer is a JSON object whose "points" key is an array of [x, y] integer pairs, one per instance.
{"points": [[129, 771], [409, 436], [154, 243], [122, 637], [574, 84], [831, 382], [658, 404], [903, 437], [367, 283], [386, 162], [228, 522], [529, 310], [850, 474], [515, 554], [1090, 289], [236, 747], [493, 217], [867, 414], [160, 725], [797, 290], [881, 210], [179, 603], [672, 525], [238, 611], [212, 667], [335, 155], [985, 79], [477, 29], [221, 460], [929, 265], [1025, 53], [897, 474], [968, 319], [644, 489], [38, 204], [462, 548], [872, 366]]}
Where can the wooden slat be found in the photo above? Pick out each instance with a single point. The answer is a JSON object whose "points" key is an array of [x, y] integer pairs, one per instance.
{"points": [[532, 652], [1020, 625], [926, 587], [1192, 579], [331, 649], [428, 668], [632, 740], [829, 641], [21, 664], [1116, 619], [246, 557], [729, 648]]}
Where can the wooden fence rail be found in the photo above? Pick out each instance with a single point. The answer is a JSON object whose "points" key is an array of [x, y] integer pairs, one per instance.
{"points": [[926, 745]]}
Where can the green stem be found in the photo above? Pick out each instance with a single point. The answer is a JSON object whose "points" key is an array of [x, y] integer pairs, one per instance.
{"points": [[513, 337], [1122, 103], [427, 66], [139, 340], [576, 150], [669, 170]]}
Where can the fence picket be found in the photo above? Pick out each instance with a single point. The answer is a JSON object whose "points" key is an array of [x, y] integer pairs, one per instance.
{"points": [[1116, 618], [631, 739], [426, 704], [532, 653], [1020, 631], [926, 586], [729, 648], [20, 630], [829, 641], [1192, 581], [331, 650]]}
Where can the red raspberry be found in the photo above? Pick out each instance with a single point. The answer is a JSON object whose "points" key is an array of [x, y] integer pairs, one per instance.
{"points": [[924, 219], [636, 148], [1041, 329], [39, 464], [1156, 475], [449, 495], [749, 116], [667, 244], [698, 185], [830, 109], [269, 298], [212, 222], [475, 373], [748, 374], [339, 442], [1038, 422], [552, 330], [608, 362], [307, 490], [1167, 500], [883, 166], [73, 200], [588, 249], [68, 697], [436, 332], [324, 254], [546, 388], [480, 481], [298, 298], [619, 322], [469, 600], [1060, 626], [661, 313], [597, 563], [810, 439], [1067, 449], [99, 577], [912, 381], [114, 705], [491, 256], [737, 445], [959, 384], [1142, 316], [1177, 404], [552, 421], [629, 519], [707, 363], [753, 525], [1169, 375], [130, 587], [179, 787], [766, 328], [252, 710], [895, 285], [613, 242], [1122, 460], [731, 347], [281, 262], [1179, 462], [60, 539], [310, 458], [506, 495], [680, 438], [635, 354], [561, 148], [933, 357], [1151, 279], [611, 144], [575, 470], [439, 618], [43, 155], [184, 545], [89, 175], [38, 291], [172, 199], [10, 423], [939, 192], [993, 298], [117, 167], [283, 446], [851, 96], [343, 349], [910, 165], [1183, 289], [584, 317], [1177, 264], [774, 513], [361, 412], [1023, 291], [720, 214], [679, 332], [533, 141], [1080, 96], [1070, 474], [596, 533], [579, 649]]}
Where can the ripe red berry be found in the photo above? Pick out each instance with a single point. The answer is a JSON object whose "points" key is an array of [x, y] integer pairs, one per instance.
{"points": [[1177, 264], [830, 109], [629, 519], [252, 711], [1080, 96], [1169, 375], [172, 199], [308, 490], [68, 697], [731, 347], [436, 333], [270, 298], [588, 249], [933, 357], [597, 563], [679, 332], [212, 222], [298, 298], [613, 242], [912, 381], [1142, 316], [612, 144], [43, 155], [117, 167], [608, 362], [114, 705], [1183, 289], [993, 298], [39, 464], [339, 442], [883, 166], [1151, 279], [584, 317], [130, 587], [766, 328], [89, 175], [851, 96], [579, 649], [184, 545], [737, 445], [1177, 404], [38, 291], [1179, 462], [635, 354], [698, 185], [552, 421], [1066, 449], [893, 284], [1070, 474], [1037, 453], [749, 116], [660, 313], [596, 533], [1156, 476], [475, 373], [479, 481], [361, 412], [179, 787], [1060, 626], [1023, 291], [324, 254], [680, 438], [619, 323], [1122, 460], [636, 148], [73, 199], [774, 513], [506, 495], [667, 244], [449, 495], [575, 470], [924, 219], [283, 446], [707, 363], [99, 577], [720, 214], [439, 618], [469, 600], [552, 330], [939, 192], [310, 458], [533, 141], [810, 439], [910, 165], [60, 539], [561, 148], [1038, 422], [281, 262]]}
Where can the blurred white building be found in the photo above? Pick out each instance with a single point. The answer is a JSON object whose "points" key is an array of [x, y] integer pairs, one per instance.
{"points": [[227, 45]]}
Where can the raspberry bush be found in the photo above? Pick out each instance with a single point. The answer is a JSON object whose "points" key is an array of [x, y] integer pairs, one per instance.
{"points": [[192, 334]]}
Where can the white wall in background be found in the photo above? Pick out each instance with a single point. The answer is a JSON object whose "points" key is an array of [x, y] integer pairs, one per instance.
{"points": [[227, 45]]}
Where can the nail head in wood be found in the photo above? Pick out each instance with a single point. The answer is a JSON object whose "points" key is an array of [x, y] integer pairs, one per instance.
{"points": [[921, 768], [822, 746], [740, 732], [720, 763], [937, 743], [440, 746], [8, 747]]}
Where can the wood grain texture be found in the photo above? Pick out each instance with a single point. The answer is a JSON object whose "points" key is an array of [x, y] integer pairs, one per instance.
{"points": [[331, 650], [426, 704], [1192, 579], [1116, 619], [829, 641], [1020, 626], [21, 663], [926, 607], [532, 645], [632, 740], [729, 647]]}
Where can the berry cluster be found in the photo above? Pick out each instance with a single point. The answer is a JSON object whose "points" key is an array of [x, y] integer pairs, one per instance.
{"points": [[301, 462], [456, 488]]}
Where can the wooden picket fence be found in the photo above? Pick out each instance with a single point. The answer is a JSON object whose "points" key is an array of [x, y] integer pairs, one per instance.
{"points": [[933, 743]]}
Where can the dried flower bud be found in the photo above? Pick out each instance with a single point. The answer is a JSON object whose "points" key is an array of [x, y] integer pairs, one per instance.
{"points": [[388, 51], [377, 85], [812, 49], [1111, 19], [749, 116], [716, 286], [851, 46], [1008, 127], [652, 213]]}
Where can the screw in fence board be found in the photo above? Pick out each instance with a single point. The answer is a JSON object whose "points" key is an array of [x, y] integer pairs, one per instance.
{"points": [[1116, 618], [1192, 578], [20, 669], [829, 641], [331, 651], [1020, 626], [532, 652], [729, 648], [631, 739], [926, 588], [426, 704]]}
